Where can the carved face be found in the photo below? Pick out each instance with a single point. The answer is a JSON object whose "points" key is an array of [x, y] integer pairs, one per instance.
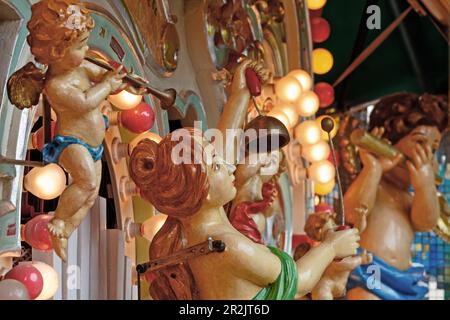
{"points": [[423, 135], [77, 52], [220, 176]]}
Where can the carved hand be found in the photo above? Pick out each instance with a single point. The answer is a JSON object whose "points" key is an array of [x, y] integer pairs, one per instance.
{"points": [[115, 79], [420, 169], [239, 80], [345, 242]]}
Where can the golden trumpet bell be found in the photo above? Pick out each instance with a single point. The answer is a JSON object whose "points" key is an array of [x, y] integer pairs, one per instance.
{"points": [[268, 129]]}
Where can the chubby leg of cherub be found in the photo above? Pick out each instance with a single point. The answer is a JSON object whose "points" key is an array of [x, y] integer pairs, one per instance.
{"points": [[78, 198]]}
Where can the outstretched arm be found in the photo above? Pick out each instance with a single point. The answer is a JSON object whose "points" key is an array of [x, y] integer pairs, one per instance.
{"points": [[64, 94], [235, 110]]}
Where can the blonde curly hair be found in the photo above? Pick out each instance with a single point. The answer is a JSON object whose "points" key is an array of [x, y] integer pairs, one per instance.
{"points": [[54, 26]]}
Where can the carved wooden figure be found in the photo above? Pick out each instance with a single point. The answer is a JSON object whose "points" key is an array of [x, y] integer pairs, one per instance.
{"points": [[192, 193], [74, 88], [413, 124]]}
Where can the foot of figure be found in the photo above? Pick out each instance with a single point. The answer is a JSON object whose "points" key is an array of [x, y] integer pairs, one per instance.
{"points": [[59, 237]]}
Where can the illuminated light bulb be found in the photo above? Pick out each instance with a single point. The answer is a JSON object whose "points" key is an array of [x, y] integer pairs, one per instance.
{"points": [[151, 226], [147, 135], [308, 133], [290, 112], [323, 189], [317, 152], [50, 279], [303, 77], [46, 183], [288, 89], [11, 289], [125, 100], [308, 104], [324, 134], [322, 61], [322, 171], [316, 4], [280, 115], [320, 29], [325, 92]]}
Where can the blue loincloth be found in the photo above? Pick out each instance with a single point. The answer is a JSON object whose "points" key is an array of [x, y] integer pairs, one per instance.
{"points": [[393, 284], [53, 150]]}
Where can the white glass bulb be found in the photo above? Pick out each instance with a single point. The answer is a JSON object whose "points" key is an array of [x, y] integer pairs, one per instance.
{"points": [[308, 104], [289, 110], [50, 279], [125, 100], [316, 152], [46, 183], [146, 135], [308, 133], [322, 172], [151, 226], [288, 89], [303, 77]]}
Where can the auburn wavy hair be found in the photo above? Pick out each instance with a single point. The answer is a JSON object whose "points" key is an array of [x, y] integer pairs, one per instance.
{"points": [[400, 113], [54, 26], [177, 190]]}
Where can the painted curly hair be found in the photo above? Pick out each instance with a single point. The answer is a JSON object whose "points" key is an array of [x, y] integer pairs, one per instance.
{"points": [[54, 26], [400, 113]]}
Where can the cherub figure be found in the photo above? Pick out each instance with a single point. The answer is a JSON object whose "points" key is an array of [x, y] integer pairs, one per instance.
{"points": [[333, 283], [74, 88], [256, 194], [414, 125]]}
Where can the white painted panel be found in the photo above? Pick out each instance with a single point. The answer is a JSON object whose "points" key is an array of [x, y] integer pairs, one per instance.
{"points": [[94, 251], [83, 253], [116, 264], [128, 283], [103, 252], [71, 269]]}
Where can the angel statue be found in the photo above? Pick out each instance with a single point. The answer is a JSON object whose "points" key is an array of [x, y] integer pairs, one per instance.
{"points": [[399, 191], [74, 88]]}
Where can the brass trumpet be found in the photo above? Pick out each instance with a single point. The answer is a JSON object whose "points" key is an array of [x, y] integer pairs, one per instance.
{"points": [[166, 97]]}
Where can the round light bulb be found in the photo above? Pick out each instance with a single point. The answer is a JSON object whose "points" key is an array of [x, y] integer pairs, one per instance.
{"points": [[322, 189], [46, 183], [322, 171], [288, 89], [308, 104], [303, 77], [308, 133], [289, 110], [51, 280], [324, 134], [322, 61], [317, 152], [151, 226], [316, 4], [147, 135], [125, 100], [280, 115]]}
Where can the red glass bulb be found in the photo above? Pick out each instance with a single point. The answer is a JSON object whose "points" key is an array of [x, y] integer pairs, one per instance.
{"points": [[36, 233], [323, 207], [29, 276], [139, 119], [320, 29], [325, 92]]}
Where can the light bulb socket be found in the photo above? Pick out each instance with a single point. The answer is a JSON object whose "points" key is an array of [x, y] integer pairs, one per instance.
{"points": [[119, 150], [127, 189], [132, 229]]}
